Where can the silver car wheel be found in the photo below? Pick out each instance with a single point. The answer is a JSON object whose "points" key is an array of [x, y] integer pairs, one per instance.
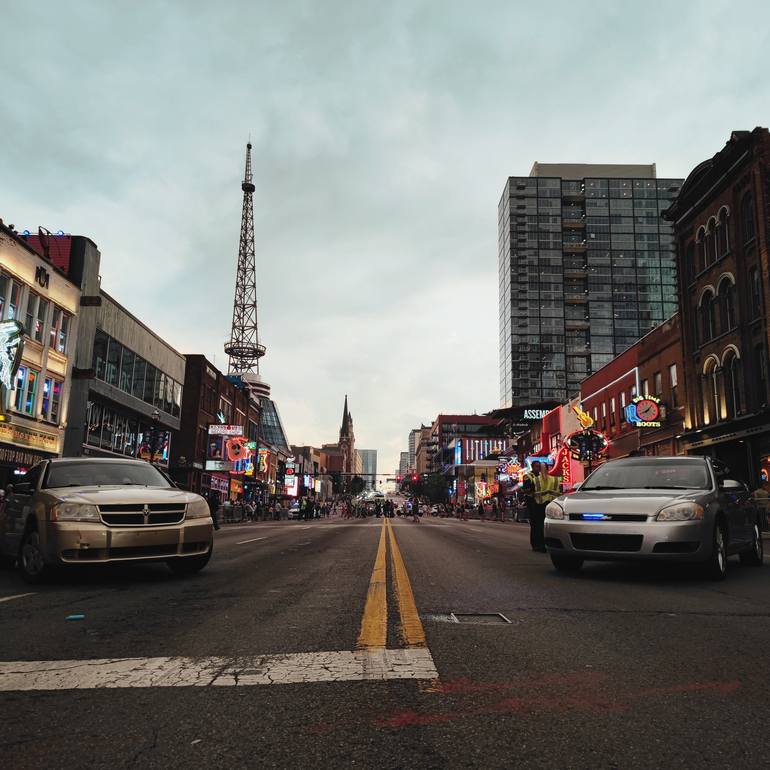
{"points": [[31, 556], [759, 547], [719, 544]]}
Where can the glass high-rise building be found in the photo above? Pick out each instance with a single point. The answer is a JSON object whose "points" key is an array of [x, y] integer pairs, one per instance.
{"points": [[586, 268]]}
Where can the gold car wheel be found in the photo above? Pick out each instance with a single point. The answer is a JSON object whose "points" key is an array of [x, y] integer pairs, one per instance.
{"points": [[32, 561]]}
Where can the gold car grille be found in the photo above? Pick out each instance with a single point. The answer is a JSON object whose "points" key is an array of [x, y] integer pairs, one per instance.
{"points": [[141, 514]]}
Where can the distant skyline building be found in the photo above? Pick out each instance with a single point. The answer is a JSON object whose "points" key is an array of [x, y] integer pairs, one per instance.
{"points": [[586, 268], [369, 467], [414, 440], [403, 465]]}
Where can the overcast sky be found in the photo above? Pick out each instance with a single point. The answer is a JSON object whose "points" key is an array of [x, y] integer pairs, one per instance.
{"points": [[383, 134]]}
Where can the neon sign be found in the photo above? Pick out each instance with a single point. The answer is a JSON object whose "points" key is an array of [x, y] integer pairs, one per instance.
{"points": [[11, 346], [644, 412], [586, 445]]}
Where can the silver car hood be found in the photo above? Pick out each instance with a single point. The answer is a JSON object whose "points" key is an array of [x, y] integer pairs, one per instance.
{"points": [[123, 494], [645, 501]]}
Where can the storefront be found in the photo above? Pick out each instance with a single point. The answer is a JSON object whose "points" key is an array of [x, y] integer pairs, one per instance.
{"points": [[39, 308], [742, 445]]}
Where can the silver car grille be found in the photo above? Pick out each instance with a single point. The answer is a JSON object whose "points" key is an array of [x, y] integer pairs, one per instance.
{"points": [[141, 514]]}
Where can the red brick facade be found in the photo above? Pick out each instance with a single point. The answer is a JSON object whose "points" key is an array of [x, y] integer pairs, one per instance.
{"points": [[721, 227]]}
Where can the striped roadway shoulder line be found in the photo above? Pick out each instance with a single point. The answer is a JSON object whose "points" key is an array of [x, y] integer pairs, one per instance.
{"points": [[304, 667], [253, 540], [411, 627]]}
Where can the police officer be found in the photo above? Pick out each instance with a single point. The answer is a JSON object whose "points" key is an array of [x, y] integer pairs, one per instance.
{"points": [[539, 488]]}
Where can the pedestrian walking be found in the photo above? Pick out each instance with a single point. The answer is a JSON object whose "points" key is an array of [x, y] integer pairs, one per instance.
{"points": [[482, 512], [539, 488]]}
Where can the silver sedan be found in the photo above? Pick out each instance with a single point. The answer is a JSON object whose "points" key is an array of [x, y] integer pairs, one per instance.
{"points": [[661, 508]]}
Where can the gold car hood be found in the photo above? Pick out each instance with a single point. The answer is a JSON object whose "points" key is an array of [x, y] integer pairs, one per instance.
{"points": [[128, 495]]}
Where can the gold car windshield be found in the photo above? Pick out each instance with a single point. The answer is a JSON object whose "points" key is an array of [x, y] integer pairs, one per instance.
{"points": [[103, 474]]}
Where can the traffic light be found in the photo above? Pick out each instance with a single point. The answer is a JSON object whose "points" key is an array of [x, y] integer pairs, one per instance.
{"points": [[414, 477], [398, 478]]}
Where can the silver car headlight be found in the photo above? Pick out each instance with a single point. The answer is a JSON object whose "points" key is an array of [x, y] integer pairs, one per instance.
{"points": [[688, 511], [74, 512], [198, 509], [554, 511]]}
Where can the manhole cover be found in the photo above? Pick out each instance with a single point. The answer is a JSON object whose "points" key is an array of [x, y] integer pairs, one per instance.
{"points": [[479, 617]]}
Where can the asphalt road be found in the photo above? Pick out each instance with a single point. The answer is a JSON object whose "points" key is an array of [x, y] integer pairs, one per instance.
{"points": [[618, 667]]}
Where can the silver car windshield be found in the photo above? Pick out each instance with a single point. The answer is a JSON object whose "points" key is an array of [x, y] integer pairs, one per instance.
{"points": [[102, 474], [649, 474]]}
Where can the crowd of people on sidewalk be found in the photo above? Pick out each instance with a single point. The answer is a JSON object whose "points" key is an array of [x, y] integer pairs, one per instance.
{"points": [[537, 490]]}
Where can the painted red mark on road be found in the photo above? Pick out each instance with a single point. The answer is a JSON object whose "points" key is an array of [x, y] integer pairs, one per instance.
{"points": [[586, 693]]}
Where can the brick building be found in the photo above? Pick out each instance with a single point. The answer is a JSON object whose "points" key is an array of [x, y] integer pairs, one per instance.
{"points": [[720, 221], [645, 376], [210, 398]]}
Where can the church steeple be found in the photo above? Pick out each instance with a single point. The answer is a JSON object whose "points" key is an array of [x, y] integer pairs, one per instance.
{"points": [[345, 430]]}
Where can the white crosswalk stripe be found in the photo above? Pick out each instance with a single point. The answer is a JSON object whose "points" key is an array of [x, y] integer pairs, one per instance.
{"points": [[304, 667]]}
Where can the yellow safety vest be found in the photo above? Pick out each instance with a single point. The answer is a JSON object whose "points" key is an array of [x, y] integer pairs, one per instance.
{"points": [[545, 486]]}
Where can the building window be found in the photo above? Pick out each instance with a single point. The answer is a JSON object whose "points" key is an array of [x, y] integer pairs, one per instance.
{"points": [[732, 381], [755, 290], [700, 239], [137, 384], [612, 412], [723, 238], [99, 358], [14, 299], [710, 392], [747, 217], [658, 384], [52, 390], [25, 389], [727, 305], [113, 362], [645, 388], [604, 414], [125, 379], [672, 377], [149, 383], [709, 242], [623, 407], [760, 356], [707, 316], [60, 329], [37, 312]]}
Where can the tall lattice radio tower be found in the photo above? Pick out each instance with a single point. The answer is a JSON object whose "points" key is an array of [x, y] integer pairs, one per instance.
{"points": [[243, 348]]}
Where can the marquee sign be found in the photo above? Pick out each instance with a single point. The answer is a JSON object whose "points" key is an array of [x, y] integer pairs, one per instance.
{"points": [[644, 412]]}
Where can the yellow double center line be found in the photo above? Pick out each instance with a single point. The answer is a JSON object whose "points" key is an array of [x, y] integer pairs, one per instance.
{"points": [[374, 625]]}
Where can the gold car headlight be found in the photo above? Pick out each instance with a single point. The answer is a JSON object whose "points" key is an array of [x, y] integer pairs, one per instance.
{"points": [[198, 509], [74, 512]]}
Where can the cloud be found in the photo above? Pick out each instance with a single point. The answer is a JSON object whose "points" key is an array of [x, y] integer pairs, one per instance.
{"points": [[383, 134]]}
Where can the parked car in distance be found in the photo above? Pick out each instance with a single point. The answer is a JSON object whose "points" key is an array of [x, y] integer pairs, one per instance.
{"points": [[660, 508], [68, 511], [293, 510]]}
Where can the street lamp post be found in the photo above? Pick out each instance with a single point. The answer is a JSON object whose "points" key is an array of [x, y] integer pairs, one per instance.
{"points": [[154, 435]]}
